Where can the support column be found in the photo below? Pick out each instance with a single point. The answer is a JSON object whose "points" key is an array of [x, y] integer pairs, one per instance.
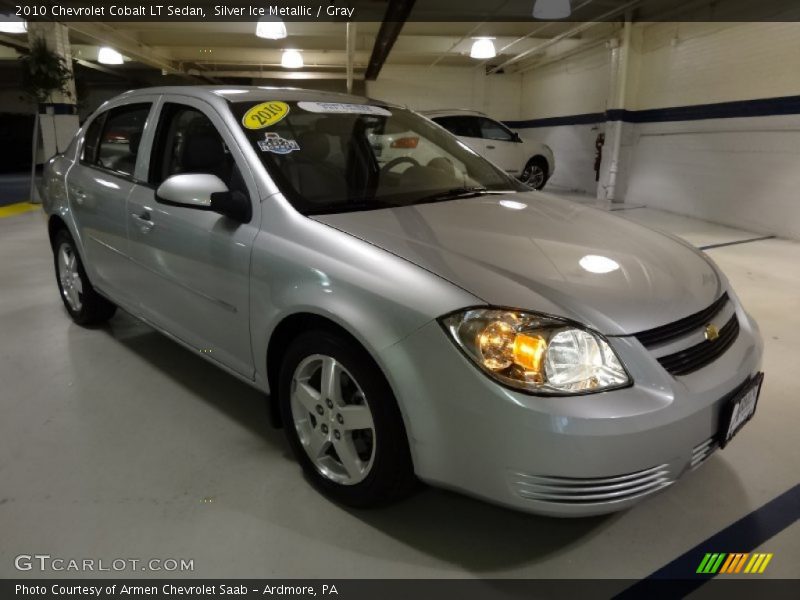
{"points": [[58, 116], [611, 167]]}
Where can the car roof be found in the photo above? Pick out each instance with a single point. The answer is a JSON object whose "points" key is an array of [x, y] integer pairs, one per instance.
{"points": [[252, 93], [452, 112]]}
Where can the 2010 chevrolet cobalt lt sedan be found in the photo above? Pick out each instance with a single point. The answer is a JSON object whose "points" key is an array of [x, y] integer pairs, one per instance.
{"points": [[424, 316]]}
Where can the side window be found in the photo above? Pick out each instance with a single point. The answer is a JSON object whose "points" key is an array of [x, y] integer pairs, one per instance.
{"points": [[462, 126], [492, 130], [122, 131], [92, 139], [187, 142]]}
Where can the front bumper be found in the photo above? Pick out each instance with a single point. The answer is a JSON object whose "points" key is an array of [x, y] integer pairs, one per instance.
{"points": [[565, 456]]}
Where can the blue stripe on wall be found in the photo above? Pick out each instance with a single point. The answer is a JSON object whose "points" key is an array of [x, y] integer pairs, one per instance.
{"points": [[584, 119], [764, 107], [59, 108]]}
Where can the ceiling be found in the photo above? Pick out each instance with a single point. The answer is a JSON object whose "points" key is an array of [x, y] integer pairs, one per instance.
{"points": [[215, 51]]}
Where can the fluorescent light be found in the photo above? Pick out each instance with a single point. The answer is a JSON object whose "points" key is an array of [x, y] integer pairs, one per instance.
{"points": [[270, 29], [550, 10], [483, 48], [291, 59], [12, 24], [109, 56]]}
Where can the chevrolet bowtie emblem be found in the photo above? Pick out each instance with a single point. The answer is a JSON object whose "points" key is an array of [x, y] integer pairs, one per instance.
{"points": [[712, 332]]}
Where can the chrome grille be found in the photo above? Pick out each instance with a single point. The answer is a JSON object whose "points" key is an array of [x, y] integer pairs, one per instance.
{"points": [[702, 451], [698, 356], [568, 490]]}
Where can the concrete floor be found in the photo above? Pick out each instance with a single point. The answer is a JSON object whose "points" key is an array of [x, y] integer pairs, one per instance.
{"points": [[116, 442]]}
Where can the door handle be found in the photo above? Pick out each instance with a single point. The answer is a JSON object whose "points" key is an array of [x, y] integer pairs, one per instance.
{"points": [[490, 147], [145, 224]]}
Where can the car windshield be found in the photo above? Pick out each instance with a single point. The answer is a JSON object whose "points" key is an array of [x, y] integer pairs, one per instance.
{"points": [[330, 157]]}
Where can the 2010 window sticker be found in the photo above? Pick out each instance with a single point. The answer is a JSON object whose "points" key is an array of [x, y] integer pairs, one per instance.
{"points": [[274, 143], [265, 114], [344, 108]]}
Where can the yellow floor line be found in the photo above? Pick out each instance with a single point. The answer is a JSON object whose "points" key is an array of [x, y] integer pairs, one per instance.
{"points": [[17, 209]]}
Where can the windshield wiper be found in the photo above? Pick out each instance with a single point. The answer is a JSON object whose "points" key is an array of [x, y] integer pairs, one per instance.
{"points": [[453, 194]]}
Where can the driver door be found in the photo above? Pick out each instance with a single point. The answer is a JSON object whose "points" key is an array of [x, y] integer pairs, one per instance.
{"points": [[193, 265]]}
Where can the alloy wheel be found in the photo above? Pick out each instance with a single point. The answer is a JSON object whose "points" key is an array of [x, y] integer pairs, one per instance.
{"points": [[534, 175], [333, 419], [69, 277]]}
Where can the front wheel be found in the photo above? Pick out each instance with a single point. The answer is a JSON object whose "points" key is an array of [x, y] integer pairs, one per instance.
{"points": [[342, 421], [535, 173], [83, 303]]}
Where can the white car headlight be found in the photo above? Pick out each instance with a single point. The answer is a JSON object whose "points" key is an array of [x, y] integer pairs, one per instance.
{"points": [[536, 353]]}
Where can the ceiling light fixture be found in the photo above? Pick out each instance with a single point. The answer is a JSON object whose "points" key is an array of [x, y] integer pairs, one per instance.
{"points": [[291, 59], [12, 24], [483, 48], [109, 56], [270, 28], [551, 10]]}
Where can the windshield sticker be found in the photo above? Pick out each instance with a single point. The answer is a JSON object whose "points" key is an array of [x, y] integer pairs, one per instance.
{"points": [[340, 108], [274, 143], [265, 114]]}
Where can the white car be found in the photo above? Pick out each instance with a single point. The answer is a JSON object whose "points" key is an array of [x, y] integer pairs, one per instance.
{"points": [[529, 161]]}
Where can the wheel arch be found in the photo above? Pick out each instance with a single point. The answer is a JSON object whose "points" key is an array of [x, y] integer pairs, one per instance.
{"points": [[55, 224], [288, 328]]}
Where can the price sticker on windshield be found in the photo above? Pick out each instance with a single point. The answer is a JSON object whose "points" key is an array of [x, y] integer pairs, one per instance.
{"points": [[265, 114]]}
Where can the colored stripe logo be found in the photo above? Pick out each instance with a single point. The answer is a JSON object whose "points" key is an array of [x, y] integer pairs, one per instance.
{"points": [[734, 563]]}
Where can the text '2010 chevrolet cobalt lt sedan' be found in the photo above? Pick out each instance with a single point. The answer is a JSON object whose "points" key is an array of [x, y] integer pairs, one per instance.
{"points": [[422, 317]]}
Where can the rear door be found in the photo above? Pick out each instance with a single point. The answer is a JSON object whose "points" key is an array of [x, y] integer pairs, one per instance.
{"points": [[194, 266], [98, 187]]}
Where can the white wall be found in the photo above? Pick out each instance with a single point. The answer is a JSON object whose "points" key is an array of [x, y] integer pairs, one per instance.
{"points": [[570, 87], [428, 88], [738, 171], [700, 63]]}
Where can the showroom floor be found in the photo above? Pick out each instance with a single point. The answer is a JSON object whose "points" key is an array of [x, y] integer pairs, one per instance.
{"points": [[116, 442]]}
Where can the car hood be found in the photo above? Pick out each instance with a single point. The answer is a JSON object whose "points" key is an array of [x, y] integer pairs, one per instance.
{"points": [[539, 252]]}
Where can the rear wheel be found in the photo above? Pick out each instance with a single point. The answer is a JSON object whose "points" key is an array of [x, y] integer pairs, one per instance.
{"points": [[535, 173], [343, 422], [83, 303]]}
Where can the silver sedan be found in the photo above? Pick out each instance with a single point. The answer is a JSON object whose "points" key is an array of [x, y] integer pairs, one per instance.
{"points": [[414, 312]]}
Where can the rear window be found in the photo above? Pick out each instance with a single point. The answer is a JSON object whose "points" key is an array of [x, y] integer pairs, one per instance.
{"points": [[112, 139]]}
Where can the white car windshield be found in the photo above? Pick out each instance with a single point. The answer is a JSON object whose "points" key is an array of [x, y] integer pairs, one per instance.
{"points": [[332, 157]]}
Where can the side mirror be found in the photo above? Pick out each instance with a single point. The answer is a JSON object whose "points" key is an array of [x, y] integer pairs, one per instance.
{"points": [[516, 138], [204, 192]]}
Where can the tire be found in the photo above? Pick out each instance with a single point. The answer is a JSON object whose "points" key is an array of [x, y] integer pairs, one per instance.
{"points": [[375, 467], [83, 303], [535, 173]]}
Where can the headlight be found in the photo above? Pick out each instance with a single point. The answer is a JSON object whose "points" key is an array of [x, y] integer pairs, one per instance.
{"points": [[536, 353]]}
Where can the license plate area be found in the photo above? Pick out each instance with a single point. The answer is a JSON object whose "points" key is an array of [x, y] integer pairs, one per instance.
{"points": [[739, 409]]}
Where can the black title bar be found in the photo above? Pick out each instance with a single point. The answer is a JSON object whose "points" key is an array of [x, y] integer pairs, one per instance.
{"points": [[376, 10]]}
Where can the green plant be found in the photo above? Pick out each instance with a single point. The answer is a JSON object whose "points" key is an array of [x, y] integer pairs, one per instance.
{"points": [[44, 72]]}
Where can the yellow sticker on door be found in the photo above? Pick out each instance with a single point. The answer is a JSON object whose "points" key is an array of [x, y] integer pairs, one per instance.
{"points": [[265, 114]]}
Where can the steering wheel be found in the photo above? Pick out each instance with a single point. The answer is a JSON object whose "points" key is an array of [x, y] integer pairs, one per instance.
{"points": [[398, 161]]}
